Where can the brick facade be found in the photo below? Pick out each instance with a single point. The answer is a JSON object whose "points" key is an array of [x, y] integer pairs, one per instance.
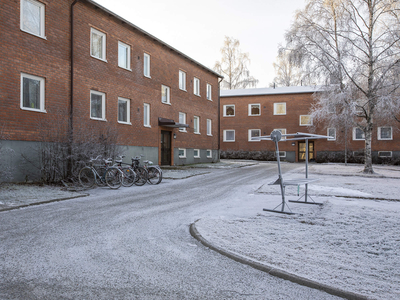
{"points": [[298, 102], [50, 57]]}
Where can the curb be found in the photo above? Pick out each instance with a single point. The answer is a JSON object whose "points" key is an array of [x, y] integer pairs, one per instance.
{"points": [[41, 202], [277, 272]]}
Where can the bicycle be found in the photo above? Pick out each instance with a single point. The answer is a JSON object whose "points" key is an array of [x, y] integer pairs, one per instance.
{"points": [[154, 172], [130, 176], [102, 176]]}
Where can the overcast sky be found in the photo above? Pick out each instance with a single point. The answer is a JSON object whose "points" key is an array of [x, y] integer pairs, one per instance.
{"points": [[198, 28]]}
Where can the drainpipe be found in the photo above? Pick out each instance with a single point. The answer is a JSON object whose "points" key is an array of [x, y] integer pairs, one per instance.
{"points": [[71, 101], [219, 117]]}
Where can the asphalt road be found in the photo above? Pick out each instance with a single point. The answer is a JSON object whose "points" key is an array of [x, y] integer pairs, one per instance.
{"points": [[134, 243]]}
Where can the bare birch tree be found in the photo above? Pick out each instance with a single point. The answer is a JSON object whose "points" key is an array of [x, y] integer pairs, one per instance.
{"points": [[353, 44], [234, 66]]}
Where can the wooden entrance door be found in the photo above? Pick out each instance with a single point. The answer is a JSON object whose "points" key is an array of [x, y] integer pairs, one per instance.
{"points": [[302, 151], [165, 148]]}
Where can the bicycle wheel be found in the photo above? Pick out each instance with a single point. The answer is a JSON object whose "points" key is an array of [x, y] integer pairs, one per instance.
{"points": [[113, 178], [87, 177], [101, 180], [155, 176], [129, 176], [141, 176]]}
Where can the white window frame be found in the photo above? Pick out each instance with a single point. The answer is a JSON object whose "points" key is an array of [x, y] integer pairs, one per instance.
{"points": [[182, 80], [380, 134], [234, 135], [355, 134], [331, 138], [281, 153], [198, 153], [196, 125], [128, 111], [128, 56], [182, 121], [146, 65], [165, 89], [146, 115], [42, 15], [41, 91], [103, 106], [196, 86], [103, 44], [276, 108], [234, 110], [184, 152], [249, 109], [209, 92], [282, 131], [209, 153], [250, 132], [308, 124], [209, 127], [391, 154]]}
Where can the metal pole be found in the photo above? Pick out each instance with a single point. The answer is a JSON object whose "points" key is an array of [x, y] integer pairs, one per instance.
{"points": [[306, 186], [280, 174]]}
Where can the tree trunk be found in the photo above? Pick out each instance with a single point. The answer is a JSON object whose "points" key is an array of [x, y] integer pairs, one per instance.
{"points": [[368, 151]]}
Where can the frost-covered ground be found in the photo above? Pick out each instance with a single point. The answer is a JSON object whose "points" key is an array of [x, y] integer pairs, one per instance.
{"points": [[350, 242]]}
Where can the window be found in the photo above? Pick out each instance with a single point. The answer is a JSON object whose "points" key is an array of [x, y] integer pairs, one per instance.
{"points": [[306, 120], [146, 65], [182, 80], [182, 153], [32, 17], [209, 124], [254, 110], [358, 134], [229, 135], [124, 111], [209, 153], [280, 108], [196, 153], [384, 153], [32, 93], [146, 115], [281, 153], [196, 124], [385, 133], [97, 44], [124, 56], [332, 134], [182, 120], [229, 110], [165, 94], [209, 91], [253, 133], [196, 86], [97, 105], [282, 131]]}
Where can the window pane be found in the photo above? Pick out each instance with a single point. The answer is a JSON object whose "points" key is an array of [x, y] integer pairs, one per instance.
{"points": [[280, 108], [97, 45], [31, 93], [229, 135], [96, 106], [31, 17], [359, 134], [122, 111], [123, 56], [305, 120], [182, 80], [164, 94], [255, 133], [386, 133], [332, 133], [146, 61], [146, 115], [230, 110], [255, 109]]}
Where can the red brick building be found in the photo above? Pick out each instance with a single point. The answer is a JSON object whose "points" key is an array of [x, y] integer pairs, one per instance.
{"points": [[74, 64], [257, 112]]}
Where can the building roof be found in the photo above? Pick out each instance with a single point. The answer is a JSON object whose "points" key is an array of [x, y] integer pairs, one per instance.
{"points": [[152, 37], [270, 91]]}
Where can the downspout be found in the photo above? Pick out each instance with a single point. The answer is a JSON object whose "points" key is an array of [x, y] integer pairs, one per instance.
{"points": [[71, 101], [219, 117]]}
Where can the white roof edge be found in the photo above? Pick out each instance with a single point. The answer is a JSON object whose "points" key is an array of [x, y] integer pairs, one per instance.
{"points": [[270, 91], [153, 37]]}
